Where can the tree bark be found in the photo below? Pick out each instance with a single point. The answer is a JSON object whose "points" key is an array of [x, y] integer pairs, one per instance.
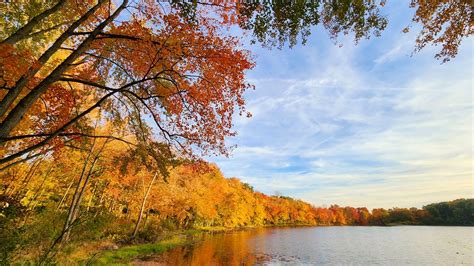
{"points": [[21, 83], [65, 194], [22, 32], [14, 117], [78, 195]]}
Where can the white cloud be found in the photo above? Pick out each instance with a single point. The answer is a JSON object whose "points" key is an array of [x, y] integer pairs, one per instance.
{"points": [[354, 134]]}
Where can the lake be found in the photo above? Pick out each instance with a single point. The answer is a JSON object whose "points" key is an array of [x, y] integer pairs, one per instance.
{"points": [[344, 245]]}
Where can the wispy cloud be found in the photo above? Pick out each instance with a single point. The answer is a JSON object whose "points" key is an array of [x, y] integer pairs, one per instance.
{"points": [[360, 126]]}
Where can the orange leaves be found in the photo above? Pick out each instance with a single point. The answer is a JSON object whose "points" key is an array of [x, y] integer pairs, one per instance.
{"points": [[52, 111], [191, 77], [444, 22], [13, 64], [199, 76], [187, 77]]}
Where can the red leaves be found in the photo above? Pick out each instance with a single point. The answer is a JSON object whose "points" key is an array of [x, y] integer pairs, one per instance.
{"points": [[13, 64], [196, 74], [187, 77]]}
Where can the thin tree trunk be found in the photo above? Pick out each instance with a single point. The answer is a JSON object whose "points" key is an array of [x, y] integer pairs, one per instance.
{"points": [[40, 188], [76, 193], [10, 190], [24, 186], [101, 200], [75, 205], [65, 194], [142, 207], [112, 205], [91, 198], [90, 173], [75, 210], [17, 191], [146, 217], [9, 184]]}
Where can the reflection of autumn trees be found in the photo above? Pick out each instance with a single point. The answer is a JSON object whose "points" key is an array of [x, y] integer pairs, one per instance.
{"points": [[221, 249]]}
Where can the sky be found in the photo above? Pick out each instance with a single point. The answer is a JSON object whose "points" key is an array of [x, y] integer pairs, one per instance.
{"points": [[360, 125]]}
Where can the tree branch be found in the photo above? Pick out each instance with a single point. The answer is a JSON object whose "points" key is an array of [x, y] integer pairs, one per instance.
{"points": [[14, 92], [26, 29], [71, 122], [67, 134], [21, 108]]}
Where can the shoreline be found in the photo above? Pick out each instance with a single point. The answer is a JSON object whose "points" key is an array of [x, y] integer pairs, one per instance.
{"points": [[181, 238]]}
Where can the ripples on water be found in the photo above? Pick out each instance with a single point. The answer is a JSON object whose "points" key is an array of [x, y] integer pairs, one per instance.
{"points": [[347, 245]]}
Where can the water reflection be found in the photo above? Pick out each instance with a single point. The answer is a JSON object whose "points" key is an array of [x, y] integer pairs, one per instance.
{"points": [[230, 248], [399, 245]]}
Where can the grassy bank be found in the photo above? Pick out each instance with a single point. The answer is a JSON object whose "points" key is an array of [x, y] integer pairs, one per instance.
{"points": [[126, 254]]}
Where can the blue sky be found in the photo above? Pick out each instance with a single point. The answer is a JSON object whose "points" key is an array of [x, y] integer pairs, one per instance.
{"points": [[360, 125]]}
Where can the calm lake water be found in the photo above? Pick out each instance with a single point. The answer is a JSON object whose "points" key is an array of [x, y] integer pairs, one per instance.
{"points": [[347, 245]]}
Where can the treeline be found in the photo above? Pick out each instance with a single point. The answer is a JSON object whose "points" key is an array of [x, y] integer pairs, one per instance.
{"points": [[126, 200], [456, 212]]}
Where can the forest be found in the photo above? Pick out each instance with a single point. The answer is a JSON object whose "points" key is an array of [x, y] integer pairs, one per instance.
{"points": [[108, 107], [129, 205]]}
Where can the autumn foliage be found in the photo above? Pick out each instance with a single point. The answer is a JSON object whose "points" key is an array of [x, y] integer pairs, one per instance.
{"points": [[103, 191], [107, 106]]}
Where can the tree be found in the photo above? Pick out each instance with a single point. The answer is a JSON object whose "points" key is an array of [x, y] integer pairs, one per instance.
{"points": [[277, 23], [379, 217], [443, 22], [189, 85], [456, 212], [364, 216], [166, 63]]}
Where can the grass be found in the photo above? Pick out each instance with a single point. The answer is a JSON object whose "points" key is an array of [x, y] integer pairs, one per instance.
{"points": [[125, 255], [212, 229]]}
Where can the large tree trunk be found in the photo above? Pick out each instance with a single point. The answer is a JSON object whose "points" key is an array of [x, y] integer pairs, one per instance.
{"points": [[13, 93], [15, 115], [142, 207], [23, 32]]}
